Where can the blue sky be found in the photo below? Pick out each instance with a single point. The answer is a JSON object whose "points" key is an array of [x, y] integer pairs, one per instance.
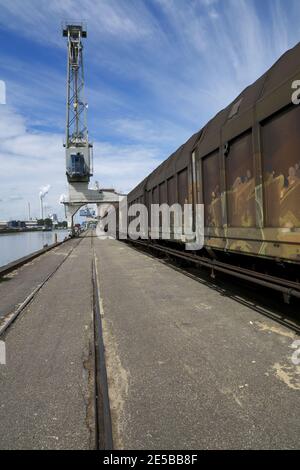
{"points": [[156, 71]]}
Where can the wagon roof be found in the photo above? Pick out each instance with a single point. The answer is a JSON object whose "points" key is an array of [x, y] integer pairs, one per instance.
{"points": [[176, 162], [285, 67], [205, 139]]}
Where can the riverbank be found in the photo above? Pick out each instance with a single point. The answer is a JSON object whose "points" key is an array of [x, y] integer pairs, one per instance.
{"points": [[17, 230], [8, 268], [17, 245]]}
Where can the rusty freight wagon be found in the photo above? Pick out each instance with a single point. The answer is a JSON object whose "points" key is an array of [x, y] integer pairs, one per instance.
{"points": [[244, 166]]}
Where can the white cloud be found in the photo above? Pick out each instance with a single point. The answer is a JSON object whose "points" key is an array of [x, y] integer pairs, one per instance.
{"points": [[152, 80], [11, 124], [123, 166], [192, 61], [27, 160], [43, 20], [146, 131], [30, 161]]}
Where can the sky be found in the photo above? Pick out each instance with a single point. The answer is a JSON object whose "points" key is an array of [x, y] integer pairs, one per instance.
{"points": [[156, 71]]}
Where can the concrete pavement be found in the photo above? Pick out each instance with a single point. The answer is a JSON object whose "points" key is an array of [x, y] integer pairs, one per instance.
{"points": [[17, 285], [188, 367], [46, 387]]}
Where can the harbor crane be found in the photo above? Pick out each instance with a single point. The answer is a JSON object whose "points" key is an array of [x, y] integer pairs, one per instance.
{"points": [[78, 148]]}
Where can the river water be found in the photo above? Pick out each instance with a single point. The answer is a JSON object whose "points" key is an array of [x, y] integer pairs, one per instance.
{"points": [[16, 245]]}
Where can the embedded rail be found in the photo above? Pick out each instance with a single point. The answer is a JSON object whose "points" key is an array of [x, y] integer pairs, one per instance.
{"points": [[286, 287]]}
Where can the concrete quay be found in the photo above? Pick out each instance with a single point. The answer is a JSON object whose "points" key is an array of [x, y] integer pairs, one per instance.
{"points": [[47, 390], [188, 367]]}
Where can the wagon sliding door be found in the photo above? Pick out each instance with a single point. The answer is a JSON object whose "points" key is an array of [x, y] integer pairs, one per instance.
{"points": [[240, 182], [281, 168], [211, 190], [183, 195]]}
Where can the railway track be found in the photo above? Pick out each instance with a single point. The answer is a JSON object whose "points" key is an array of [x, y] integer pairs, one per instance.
{"points": [[242, 276], [103, 427], [12, 317]]}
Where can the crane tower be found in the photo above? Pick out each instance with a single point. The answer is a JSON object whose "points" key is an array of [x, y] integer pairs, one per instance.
{"points": [[78, 149]]}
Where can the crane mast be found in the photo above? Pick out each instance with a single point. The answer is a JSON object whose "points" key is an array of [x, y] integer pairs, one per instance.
{"points": [[78, 147]]}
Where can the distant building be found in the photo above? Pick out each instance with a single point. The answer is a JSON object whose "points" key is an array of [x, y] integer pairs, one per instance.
{"points": [[31, 223], [16, 224], [87, 212], [19, 224], [3, 224], [54, 218]]}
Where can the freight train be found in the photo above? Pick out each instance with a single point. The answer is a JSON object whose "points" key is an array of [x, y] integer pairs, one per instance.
{"points": [[244, 166]]}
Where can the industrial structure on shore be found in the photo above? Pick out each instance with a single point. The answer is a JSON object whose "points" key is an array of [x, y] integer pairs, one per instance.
{"points": [[78, 148]]}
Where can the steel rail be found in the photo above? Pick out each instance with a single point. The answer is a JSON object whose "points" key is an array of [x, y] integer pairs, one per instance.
{"points": [[103, 424], [287, 288], [10, 318], [279, 318]]}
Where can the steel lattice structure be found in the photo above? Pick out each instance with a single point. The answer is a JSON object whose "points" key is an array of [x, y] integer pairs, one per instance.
{"points": [[78, 148]]}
